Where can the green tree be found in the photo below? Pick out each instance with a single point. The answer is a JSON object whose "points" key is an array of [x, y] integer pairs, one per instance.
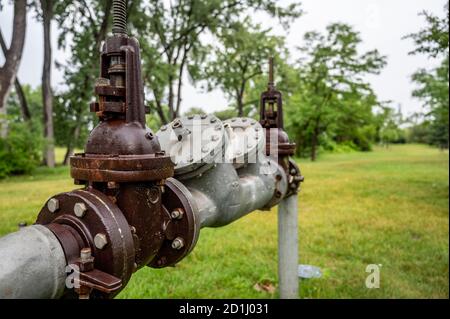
{"points": [[332, 94], [433, 89], [432, 85], [87, 24], [239, 58], [172, 39], [21, 149], [390, 131], [13, 56]]}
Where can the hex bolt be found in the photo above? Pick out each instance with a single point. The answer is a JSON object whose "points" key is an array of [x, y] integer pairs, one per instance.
{"points": [[85, 254], [177, 123], [163, 128], [293, 172], [178, 243], [100, 241], [176, 214], [53, 205], [112, 185], [80, 209]]}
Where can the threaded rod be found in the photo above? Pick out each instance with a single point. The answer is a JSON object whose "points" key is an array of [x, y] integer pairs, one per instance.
{"points": [[271, 84], [119, 17]]}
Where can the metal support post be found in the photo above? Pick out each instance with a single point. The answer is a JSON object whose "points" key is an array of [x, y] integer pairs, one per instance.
{"points": [[288, 247]]}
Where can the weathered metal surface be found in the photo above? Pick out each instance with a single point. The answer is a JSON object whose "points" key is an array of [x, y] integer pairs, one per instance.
{"points": [[121, 168], [182, 226], [103, 217], [195, 143], [141, 205], [247, 141], [32, 264]]}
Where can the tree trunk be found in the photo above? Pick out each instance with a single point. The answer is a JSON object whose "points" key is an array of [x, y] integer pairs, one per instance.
{"points": [[22, 101], [172, 113], [13, 56], [180, 84], [47, 96], [240, 102], [72, 142], [240, 108], [240, 99], [315, 141], [18, 87]]}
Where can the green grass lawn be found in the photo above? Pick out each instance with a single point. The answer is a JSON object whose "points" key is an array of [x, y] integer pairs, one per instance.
{"points": [[387, 207]]}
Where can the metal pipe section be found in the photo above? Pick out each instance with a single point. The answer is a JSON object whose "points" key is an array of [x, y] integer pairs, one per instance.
{"points": [[231, 176], [32, 264], [225, 194], [288, 247]]}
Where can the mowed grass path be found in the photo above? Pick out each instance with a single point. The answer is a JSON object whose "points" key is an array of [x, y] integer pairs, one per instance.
{"points": [[387, 207]]}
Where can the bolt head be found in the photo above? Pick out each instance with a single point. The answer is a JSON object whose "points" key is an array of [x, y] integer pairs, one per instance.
{"points": [[53, 205], [178, 243], [100, 241], [176, 214], [80, 209], [85, 254], [163, 128]]}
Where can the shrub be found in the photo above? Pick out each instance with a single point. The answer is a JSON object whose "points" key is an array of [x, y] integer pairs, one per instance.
{"points": [[20, 151]]}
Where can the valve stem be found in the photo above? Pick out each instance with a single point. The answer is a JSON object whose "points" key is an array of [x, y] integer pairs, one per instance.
{"points": [[119, 17], [270, 84]]}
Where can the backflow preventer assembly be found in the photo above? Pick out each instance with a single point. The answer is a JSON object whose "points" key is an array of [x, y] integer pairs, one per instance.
{"points": [[145, 196]]}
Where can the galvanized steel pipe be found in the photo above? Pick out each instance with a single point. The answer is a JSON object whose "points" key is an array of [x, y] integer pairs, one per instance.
{"points": [[32, 264]]}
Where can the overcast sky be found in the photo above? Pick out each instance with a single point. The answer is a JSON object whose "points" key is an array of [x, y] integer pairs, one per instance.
{"points": [[382, 23]]}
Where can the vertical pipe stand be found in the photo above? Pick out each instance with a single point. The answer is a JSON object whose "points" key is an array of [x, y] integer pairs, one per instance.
{"points": [[288, 247]]}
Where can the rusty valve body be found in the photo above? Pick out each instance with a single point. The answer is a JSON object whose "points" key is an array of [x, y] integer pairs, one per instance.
{"points": [[118, 214]]}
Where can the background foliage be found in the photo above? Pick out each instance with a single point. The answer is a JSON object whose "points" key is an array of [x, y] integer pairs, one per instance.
{"points": [[329, 107]]}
